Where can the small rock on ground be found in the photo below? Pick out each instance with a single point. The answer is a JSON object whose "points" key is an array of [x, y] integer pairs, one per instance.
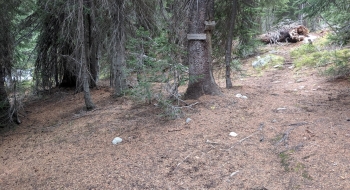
{"points": [[117, 140]]}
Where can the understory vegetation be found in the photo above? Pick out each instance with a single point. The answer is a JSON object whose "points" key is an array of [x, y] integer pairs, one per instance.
{"points": [[140, 47], [332, 60]]}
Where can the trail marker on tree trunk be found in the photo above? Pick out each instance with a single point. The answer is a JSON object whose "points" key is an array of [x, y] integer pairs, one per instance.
{"points": [[196, 36], [209, 25], [201, 80]]}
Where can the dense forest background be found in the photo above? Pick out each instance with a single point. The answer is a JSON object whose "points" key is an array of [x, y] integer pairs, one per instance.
{"points": [[47, 44]]}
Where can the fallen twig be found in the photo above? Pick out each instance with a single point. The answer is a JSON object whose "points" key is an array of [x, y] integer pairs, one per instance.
{"points": [[234, 173], [189, 106], [173, 130], [247, 137], [298, 124], [211, 142], [286, 135], [183, 160]]}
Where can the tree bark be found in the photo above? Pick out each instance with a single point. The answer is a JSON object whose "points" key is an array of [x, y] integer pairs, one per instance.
{"points": [[6, 57], [83, 60], [201, 80], [4, 102], [86, 88], [301, 15], [93, 46], [228, 59], [118, 54]]}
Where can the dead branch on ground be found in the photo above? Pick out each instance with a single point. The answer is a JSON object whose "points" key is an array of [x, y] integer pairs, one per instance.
{"points": [[285, 34]]}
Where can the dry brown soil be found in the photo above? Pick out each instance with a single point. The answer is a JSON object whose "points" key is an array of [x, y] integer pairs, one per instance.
{"points": [[293, 133]]}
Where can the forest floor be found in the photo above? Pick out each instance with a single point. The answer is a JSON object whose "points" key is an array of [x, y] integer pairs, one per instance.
{"points": [[293, 132]]}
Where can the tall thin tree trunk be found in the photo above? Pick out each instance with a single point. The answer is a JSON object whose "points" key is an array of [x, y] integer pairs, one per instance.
{"points": [[6, 57], [86, 88], [301, 15], [55, 67], [199, 52], [83, 59], [93, 44], [120, 67], [228, 52], [4, 102]]}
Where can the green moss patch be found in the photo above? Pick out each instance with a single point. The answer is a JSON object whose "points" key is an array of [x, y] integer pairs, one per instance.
{"points": [[335, 61], [322, 58], [267, 61]]}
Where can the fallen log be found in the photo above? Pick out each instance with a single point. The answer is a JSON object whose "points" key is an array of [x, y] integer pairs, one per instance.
{"points": [[285, 34]]}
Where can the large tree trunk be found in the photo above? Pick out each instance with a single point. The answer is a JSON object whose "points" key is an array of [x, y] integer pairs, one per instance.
{"points": [[119, 68], [118, 54], [199, 52], [231, 23]]}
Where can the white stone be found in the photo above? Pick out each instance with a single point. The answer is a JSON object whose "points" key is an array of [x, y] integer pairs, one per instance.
{"points": [[188, 120], [278, 109], [241, 96], [117, 140], [300, 80], [233, 134], [310, 37], [234, 173]]}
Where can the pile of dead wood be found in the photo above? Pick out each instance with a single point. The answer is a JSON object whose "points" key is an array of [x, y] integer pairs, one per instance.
{"points": [[286, 34]]}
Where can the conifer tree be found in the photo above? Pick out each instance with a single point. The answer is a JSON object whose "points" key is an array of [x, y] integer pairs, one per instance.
{"points": [[7, 45]]}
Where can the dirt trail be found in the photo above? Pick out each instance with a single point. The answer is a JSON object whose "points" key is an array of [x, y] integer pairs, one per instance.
{"points": [[293, 133]]}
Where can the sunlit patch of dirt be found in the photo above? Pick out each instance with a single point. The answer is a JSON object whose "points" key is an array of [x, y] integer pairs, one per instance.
{"points": [[293, 133]]}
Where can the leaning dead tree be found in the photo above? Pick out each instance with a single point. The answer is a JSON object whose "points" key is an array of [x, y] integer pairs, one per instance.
{"points": [[290, 33]]}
